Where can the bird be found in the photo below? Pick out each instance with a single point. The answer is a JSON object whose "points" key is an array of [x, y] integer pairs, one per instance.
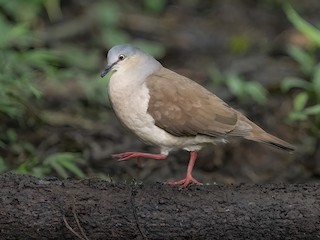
{"points": [[172, 112]]}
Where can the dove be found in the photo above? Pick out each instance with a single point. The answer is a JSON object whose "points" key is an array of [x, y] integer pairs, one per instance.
{"points": [[172, 112]]}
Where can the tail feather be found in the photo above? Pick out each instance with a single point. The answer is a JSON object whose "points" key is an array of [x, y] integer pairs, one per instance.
{"points": [[278, 143], [259, 135]]}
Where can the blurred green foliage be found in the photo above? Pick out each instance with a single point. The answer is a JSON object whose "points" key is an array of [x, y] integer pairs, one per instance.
{"points": [[244, 91], [35, 52], [306, 103], [20, 62], [239, 44], [108, 15], [23, 62], [155, 6], [62, 164], [3, 165], [311, 32]]}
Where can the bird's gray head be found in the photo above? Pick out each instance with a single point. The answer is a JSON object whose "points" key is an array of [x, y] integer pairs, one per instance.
{"points": [[120, 54]]}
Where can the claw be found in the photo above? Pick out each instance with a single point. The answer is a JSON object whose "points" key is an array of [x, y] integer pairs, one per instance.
{"points": [[124, 156], [188, 179], [184, 182], [129, 155]]}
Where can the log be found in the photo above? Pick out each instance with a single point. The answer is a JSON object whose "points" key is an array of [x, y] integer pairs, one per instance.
{"points": [[32, 208]]}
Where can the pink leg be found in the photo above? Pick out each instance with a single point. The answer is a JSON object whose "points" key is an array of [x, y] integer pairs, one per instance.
{"points": [[129, 155], [188, 179]]}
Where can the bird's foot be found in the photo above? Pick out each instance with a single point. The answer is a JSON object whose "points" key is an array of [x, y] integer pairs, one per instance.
{"points": [[184, 182], [129, 155]]}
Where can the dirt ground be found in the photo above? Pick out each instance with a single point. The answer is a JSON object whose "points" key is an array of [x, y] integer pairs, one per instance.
{"points": [[34, 208]]}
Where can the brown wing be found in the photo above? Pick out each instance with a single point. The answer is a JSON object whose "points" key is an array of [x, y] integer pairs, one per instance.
{"points": [[184, 108]]}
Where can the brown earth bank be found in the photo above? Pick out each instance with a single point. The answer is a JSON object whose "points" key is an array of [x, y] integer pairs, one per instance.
{"points": [[32, 208]]}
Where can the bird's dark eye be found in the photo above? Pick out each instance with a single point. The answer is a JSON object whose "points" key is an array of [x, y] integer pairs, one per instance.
{"points": [[121, 57]]}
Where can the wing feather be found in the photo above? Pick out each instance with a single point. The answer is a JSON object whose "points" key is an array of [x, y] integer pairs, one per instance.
{"points": [[185, 108]]}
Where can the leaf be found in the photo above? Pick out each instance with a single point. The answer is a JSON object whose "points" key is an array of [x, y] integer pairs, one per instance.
{"points": [[313, 110], [39, 58], [59, 169], [35, 91], [257, 92], [235, 85], [239, 44], [115, 36], [300, 101], [297, 116], [72, 167], [53, 8], [26, 11], [306, 60], [107, 13], [61, 162], [12, 33], [40, 171], [302, 25], [3, 166], [155, 6], [293, 82]]}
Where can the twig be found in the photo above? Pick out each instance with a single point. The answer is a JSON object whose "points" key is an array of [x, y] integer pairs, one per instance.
{"points": [[77, 220], [83, 235], [71, 229]]}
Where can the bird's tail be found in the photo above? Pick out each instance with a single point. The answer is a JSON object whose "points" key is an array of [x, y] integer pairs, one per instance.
{"points": [[259, 135]]}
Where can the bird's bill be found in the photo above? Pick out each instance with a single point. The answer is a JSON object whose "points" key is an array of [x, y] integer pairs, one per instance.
{"points": [[105, 71], [108, 69]]}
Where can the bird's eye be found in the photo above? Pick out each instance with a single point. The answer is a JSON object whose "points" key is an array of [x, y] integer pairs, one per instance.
{"points": [[121, 57]]}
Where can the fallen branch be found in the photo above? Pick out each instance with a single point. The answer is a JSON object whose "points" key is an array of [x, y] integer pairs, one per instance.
{"points": [[31, 208]]}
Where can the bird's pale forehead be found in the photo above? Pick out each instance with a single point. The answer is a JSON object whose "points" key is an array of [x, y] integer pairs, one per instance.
{"points": [[125, 49]]}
